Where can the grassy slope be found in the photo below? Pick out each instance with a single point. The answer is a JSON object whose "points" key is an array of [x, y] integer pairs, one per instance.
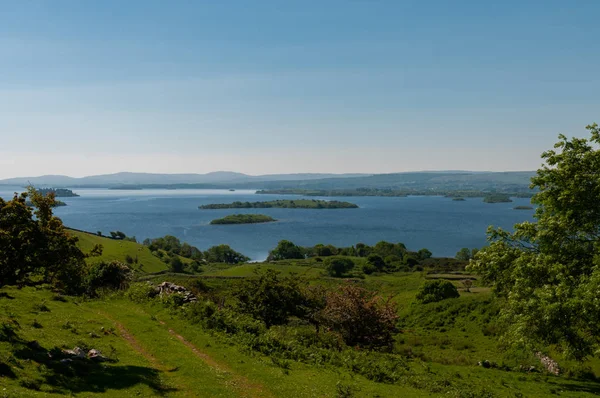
{"points": [[446, 338], [118, 249]]}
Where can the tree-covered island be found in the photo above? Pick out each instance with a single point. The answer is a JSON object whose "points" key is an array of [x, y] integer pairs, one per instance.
{"points": [[243, 219], [283, 204], [497, 198], [58, 192]]}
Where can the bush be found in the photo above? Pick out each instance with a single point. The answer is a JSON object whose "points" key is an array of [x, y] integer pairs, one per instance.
{"points": [[376, 261], [437, 290], [369, 268], [337, 267], [224, 254], [270, 298], [360, 316], [286, 250], [175, 264], [107, 275], [140, 292]]}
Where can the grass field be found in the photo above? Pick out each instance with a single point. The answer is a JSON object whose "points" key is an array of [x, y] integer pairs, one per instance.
{"points": [[118, 249], [154, 351]]}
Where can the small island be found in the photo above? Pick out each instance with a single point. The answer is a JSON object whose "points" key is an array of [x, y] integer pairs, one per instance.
{"points": [[283, 204], [58, 192], [523, 208], [497, 198], [459, 199], [57, 203], [243, 219]]}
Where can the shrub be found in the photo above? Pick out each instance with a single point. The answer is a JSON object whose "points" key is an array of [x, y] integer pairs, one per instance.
{"points": [[376, 261], [224, 254], [270, 298], [140, 292], [286, 250], [337, 267], [437, 290], [369, 268], [107, 275], [361, 317], [175, 264]]}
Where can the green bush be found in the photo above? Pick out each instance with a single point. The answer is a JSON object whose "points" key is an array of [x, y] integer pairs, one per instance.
{"points": [[337, 267], [369, 268], [140, 292], [437, 290], [107, 275]]}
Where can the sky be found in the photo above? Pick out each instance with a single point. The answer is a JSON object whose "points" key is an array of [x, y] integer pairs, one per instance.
{"points": [[270, 86]]}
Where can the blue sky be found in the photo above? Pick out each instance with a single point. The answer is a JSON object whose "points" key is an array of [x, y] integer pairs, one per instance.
{"points": [[259, 86]]}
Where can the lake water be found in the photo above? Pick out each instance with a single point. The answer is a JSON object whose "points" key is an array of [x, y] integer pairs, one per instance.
{"points": [[437, 223]]}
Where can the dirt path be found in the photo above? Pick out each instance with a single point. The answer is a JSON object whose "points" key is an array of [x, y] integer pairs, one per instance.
{"points": [[245, 387], [240, 384]]}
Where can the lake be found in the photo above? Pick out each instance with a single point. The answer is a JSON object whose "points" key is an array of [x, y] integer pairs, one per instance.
{"points": [[437, 223]]}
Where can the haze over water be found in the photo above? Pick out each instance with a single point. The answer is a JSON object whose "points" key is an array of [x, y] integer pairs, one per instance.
{"points": [[437, 223]]}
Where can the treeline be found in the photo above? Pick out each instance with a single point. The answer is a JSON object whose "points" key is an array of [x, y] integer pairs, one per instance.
{"points": [[169, 248], [390, 192], [283, 204], [57, 192]]}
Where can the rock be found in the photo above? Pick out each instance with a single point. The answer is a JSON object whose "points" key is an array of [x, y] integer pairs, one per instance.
{"points": [[170, 288], [66, 360], [76, 352], [549, 364], [95, 355]]}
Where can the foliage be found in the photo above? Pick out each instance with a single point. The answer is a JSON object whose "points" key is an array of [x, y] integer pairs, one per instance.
{"points": [[436, 290], [270, 298], [175, 264], [39, 247], [362, 317], [497, 198], [463, 254], [243, 219], [548, 271], [424, 254], [111, 275], [173, 245], [337, 267], [284, 204], [224, 254], [286, 250], [376, 261]]}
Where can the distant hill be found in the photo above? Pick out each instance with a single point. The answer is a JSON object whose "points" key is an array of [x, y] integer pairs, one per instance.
{"points": [[517, 181], [127, 178]]}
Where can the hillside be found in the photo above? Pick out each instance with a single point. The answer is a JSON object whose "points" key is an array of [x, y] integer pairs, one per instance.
{"points": [[114, 249], [154, 350]]}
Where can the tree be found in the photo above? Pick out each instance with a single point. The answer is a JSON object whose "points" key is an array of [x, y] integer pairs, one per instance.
{"points": [[38, 246], [270, 298], [337, 267], [424, 254], [224, 254], [436, 290], [175, 264], [107, 275], [548, 272], [463, 254], [376, 261], [286, 250]]}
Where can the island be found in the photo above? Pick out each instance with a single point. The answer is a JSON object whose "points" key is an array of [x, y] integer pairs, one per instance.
{"points": [[460, 199], [57, 203], [58, 192], [523, 208], [243, 219], [283, 204], [497, 198]]}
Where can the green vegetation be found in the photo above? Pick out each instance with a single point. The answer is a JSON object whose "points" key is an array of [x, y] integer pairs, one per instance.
{"points": [[456, 194], [547, 273], [523, 208], [57, 192], [497, 198], [243, 219], [74, 323], [284, 204]]}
